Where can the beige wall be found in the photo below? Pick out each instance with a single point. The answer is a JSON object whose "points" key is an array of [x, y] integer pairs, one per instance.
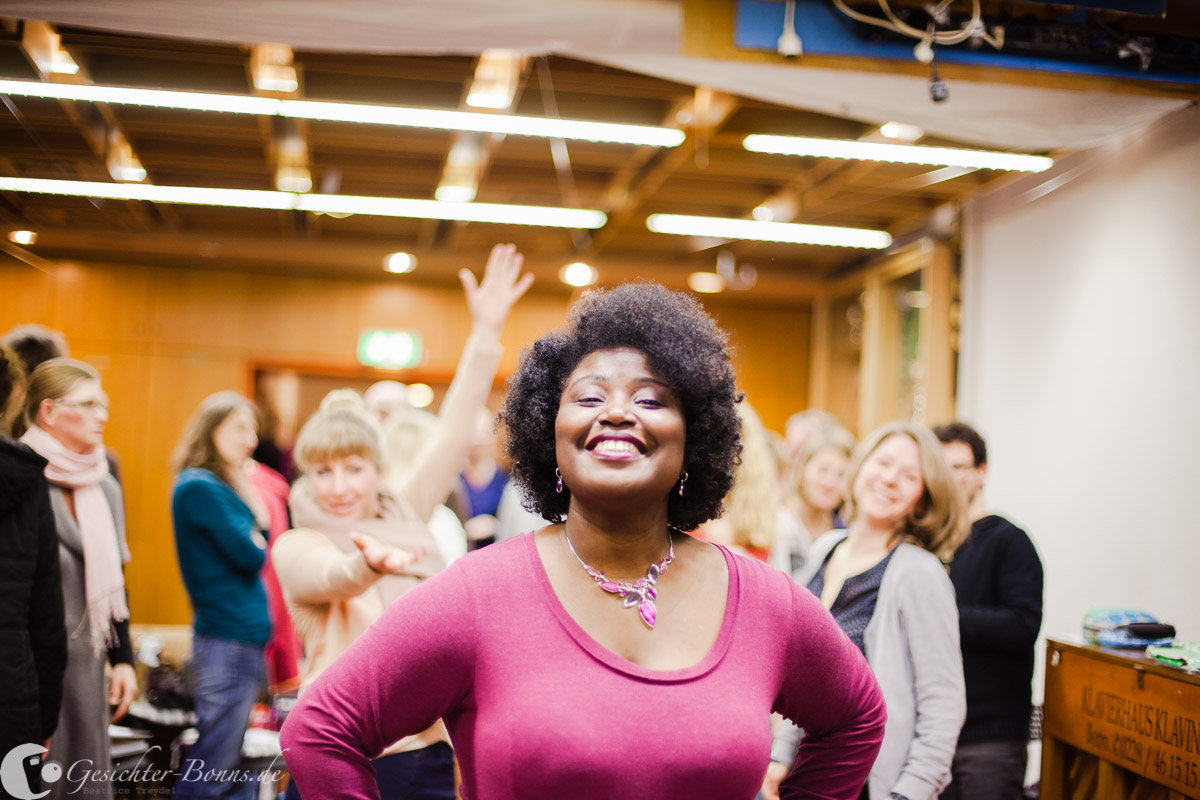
{"points": [[164, 339], [1080, 363]]}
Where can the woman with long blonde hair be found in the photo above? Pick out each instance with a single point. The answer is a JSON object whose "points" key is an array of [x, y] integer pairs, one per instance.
{"points": [[885, 583]]}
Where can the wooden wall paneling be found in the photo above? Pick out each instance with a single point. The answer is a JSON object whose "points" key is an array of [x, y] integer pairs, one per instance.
{"points": [[305, 318], [874, 359], [770, 356], [1054, 779], [820, 353], [937, 349], [201, 308], [440, 316], [845, 356], [883, 361], [534, 316], [125, 377], [107, 303], [26, 295], [179, 377]]}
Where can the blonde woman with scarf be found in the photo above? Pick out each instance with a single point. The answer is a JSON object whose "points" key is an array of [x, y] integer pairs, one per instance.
{"points": [[357, 546], [67, 410]]}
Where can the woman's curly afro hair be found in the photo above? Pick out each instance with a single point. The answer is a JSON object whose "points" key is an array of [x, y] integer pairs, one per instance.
{"points": [[684, 347]]}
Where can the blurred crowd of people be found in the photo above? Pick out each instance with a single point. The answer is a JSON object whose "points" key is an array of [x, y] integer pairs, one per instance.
{"points": [[889, 541]]}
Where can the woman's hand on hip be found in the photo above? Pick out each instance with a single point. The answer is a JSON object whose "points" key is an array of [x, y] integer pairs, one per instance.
{"points": [[776, 772], [502, 285]]}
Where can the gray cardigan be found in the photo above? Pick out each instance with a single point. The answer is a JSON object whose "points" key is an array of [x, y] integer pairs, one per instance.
{"points": [[912, 644], [82, 731]]}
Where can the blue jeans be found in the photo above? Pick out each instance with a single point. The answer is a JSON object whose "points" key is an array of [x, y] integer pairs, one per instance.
{"points": [[229, 675]]}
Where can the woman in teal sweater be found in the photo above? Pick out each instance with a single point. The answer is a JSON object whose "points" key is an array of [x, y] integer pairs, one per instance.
{"points": [[219, 535]]}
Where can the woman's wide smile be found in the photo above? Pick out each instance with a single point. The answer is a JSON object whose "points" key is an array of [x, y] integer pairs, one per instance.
{"points": [[619, 426]]}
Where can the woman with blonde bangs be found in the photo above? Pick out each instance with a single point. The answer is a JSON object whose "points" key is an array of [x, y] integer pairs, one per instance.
{"points": [[885, 582], [818, 491], [751, 521], [358, 546], [66, 410]]}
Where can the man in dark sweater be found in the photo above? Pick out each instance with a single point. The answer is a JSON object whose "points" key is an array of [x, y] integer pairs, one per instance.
{"points": [[997, 578]]}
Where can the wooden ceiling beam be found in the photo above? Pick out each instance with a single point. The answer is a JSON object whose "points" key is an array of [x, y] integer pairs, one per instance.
{"points": [[631, 187]]}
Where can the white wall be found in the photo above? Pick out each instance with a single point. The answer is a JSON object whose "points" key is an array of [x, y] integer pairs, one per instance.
{"points": [[1080, 364]]}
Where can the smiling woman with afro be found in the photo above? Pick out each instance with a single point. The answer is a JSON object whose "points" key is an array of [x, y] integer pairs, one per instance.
{"points": [[611, 644], [684, 347]]}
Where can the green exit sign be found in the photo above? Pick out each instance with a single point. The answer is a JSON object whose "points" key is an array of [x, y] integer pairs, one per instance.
{"points": [[389, 349]]}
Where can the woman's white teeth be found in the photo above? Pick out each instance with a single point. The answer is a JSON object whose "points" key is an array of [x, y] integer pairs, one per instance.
{"points": [[615, 446]]}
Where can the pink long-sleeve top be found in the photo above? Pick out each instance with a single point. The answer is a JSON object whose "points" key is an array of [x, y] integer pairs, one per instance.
{"points": [[537, 709]]}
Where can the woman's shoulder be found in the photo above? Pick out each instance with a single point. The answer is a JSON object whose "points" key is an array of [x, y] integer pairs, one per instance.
{"points": [[917, 558], [197, 476], [195, 484], [916, 574], [758, 580], [496, 566]]}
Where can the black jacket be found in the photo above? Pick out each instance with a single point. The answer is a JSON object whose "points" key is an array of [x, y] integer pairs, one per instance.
{"points": [[33, 637], [997, 577]]}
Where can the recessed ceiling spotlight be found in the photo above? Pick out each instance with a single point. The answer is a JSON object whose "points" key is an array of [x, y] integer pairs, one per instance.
{"points": [[706, 282], [420, 395], [578, 274], [22, 237], [400, 262]]}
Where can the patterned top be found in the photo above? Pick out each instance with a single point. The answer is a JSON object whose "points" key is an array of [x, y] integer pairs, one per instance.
{"points": [[855, 604]]}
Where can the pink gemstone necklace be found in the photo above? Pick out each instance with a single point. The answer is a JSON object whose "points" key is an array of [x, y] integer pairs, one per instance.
{"points": [[641, 592]]}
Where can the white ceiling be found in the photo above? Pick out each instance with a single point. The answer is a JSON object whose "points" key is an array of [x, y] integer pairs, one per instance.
{"points": [[637, 35]]}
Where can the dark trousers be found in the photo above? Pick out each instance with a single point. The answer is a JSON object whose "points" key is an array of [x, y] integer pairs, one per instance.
{"points": [[425, 774], [988, 771]]}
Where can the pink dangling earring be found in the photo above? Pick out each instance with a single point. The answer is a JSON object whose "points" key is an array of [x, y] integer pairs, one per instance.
{"points": [[682, 481], [558, 483]]}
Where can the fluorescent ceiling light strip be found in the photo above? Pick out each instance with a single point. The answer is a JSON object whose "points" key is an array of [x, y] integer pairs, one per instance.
{"points": [[902, 153], [354, 112], [484, 123], [158, 98], [544, 216], [541, 216], [789, 232], [192, 195]]}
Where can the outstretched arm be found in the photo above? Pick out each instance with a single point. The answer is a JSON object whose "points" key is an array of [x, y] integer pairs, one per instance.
{"points": [[490, 301]]}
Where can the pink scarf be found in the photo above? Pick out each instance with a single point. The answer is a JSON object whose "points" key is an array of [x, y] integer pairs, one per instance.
{"points": [[104, 584]]}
